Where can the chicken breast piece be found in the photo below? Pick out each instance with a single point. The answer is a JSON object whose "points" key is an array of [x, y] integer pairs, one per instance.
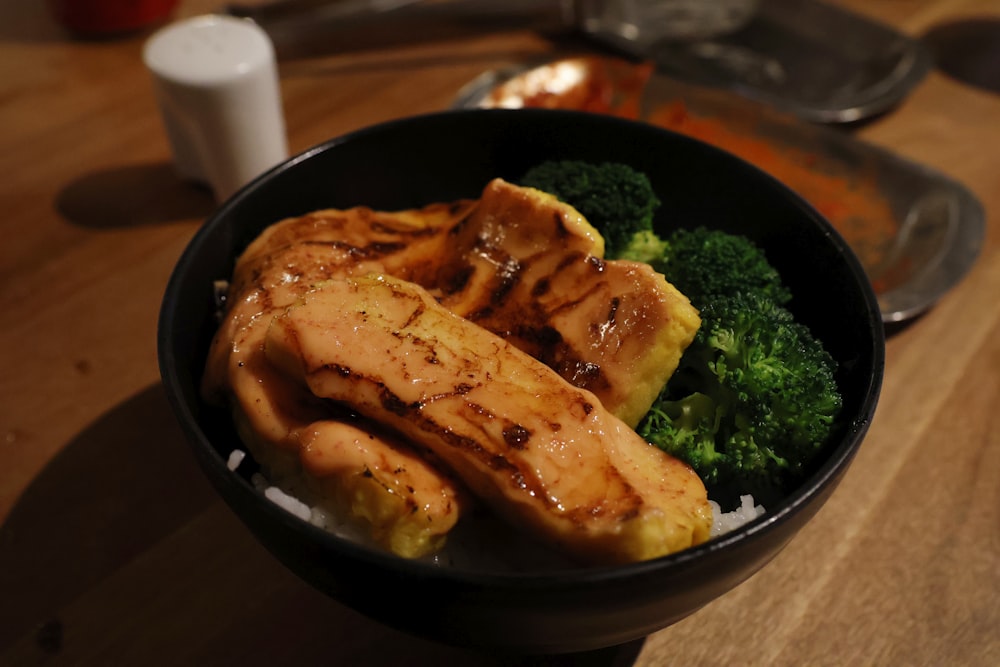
{"points": [[365, 479], [542, 453], [528, 268], [407, 504], [521, 263], [292, 255], [518, 262], [340, 462], [395, 495]]}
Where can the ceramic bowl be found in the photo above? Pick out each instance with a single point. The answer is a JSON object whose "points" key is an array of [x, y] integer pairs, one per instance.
{"points": [[450, 155]]}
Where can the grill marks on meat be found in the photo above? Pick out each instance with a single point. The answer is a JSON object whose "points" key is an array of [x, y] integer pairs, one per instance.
{"points": [[516, 262], [544, 454], [407, 503], [402, 494], [353, 467], [531, 272]]}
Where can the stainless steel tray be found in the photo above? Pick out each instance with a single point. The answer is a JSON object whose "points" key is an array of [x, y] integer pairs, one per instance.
{"points": [[916, 231], [805, 57]]}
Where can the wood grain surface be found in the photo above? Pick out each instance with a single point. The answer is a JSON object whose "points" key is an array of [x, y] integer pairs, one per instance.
{"points": [[114, 550]]}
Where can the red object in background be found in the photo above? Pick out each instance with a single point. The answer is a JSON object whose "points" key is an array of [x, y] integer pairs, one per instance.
{"points": [[109, 17]]}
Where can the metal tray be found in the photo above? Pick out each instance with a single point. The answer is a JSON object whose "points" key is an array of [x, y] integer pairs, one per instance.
{"points": [[916, 231], [819, 62]]}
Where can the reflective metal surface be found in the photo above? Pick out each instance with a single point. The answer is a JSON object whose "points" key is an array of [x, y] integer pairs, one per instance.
{"points": [[302, 28], [916, 231], [805, 57], [643, 23]]}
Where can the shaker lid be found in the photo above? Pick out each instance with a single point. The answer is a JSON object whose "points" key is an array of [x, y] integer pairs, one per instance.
{"points": [[208, 50]]}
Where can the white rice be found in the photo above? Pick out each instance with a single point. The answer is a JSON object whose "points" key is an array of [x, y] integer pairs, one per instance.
{"points": [[485, 543], [235, 459], [724, 522], [284, 500]]}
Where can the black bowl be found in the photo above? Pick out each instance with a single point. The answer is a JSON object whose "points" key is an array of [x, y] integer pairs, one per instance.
{"points": [[452, 155]]}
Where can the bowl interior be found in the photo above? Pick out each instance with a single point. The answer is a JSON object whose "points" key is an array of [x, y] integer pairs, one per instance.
{"points": [[452, 155]]}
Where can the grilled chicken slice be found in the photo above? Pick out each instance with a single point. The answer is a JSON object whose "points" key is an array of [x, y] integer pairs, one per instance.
{"points": [[364, 479], [542, 453], [339, 461], [412, 244], [528, 268], [516, 261], [349, 467], [292, 255], [355, 469]]}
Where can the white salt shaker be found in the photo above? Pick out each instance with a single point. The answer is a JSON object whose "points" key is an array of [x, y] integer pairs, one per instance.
{"points": [[216, 83]]}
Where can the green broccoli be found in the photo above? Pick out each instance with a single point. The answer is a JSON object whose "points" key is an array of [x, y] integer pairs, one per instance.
{"points": [[752, 402], [615, 198], [755, 395], [706, 263], [644, 246]]}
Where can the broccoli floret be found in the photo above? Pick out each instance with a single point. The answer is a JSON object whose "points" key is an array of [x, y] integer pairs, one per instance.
{"points": [[644, 246], [615, 198], [705, 263], [753, 401], [687, 427], [755, 395]]}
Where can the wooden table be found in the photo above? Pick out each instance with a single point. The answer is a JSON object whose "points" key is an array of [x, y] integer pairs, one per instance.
{"points": [[113, 550]]}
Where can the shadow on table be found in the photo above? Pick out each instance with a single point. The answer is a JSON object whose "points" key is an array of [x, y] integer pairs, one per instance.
{"points": [[120, 547], [132, 195]]}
